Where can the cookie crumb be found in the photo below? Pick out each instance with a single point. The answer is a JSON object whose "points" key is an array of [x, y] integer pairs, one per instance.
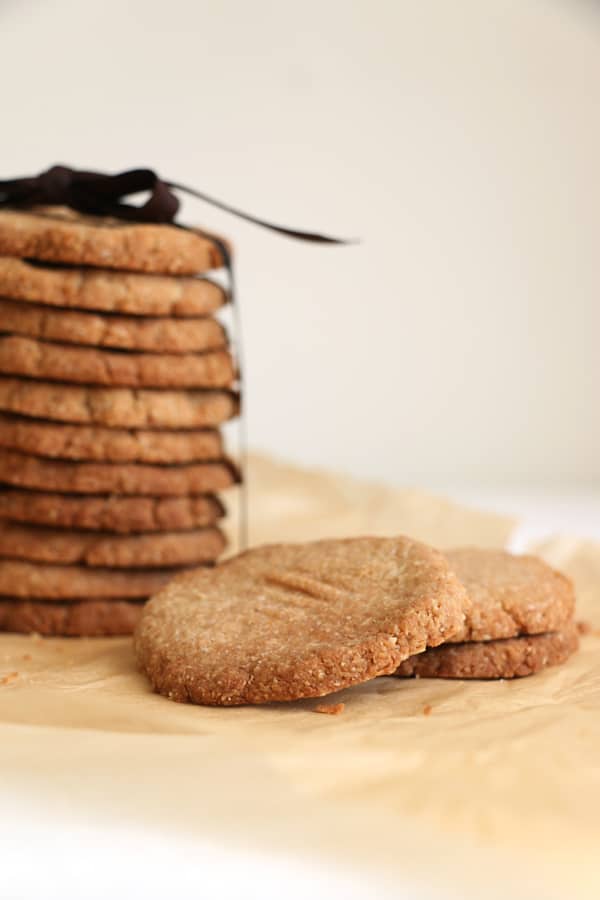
{"points": [[427, 710], [8, 678], [331, 709], [584, 627]]}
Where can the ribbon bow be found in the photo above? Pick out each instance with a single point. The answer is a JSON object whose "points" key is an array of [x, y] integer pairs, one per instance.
{"points": [[97, 193]]}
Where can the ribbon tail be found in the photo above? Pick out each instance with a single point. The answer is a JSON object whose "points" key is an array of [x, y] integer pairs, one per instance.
{"points": [[310, 236]]}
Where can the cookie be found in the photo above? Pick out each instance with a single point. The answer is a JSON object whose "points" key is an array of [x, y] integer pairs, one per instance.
{"points": [[115, 331], [87, 365], [510, 595], [47, 545], [82, 442], [288, 621], [68, 477], [59, 234], [87, 618], [29, 581], [122, 515], [117, 407], [506, 658], [112, 292]]}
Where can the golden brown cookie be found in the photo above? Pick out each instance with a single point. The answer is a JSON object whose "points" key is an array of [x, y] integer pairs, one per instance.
{"points": [[65, 476], [36, 581], [506, 658], [58, 234], [63, 547], [97, 444], [123, 515], [510, 595], [117, 407], [87, 365], [112, 292], [289, 621], [156, 335], [86, 618]]}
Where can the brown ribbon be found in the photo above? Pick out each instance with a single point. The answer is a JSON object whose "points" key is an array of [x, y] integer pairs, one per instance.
{"points": [[97, 193]]}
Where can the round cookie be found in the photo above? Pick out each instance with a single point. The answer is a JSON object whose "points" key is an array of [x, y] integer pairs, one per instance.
{"points": [[35, 581], [87, 365], [510, 595], [64, 547], [156, 335], [288, 621], [117, 407], [123, 515], [112, 292], [86, 618], [67, 477], [507, 658], [59, 234], [97, 444]]}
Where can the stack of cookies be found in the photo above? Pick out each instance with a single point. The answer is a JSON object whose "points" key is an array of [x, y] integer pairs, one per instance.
{"points": [[292, 621], [114, 379]]}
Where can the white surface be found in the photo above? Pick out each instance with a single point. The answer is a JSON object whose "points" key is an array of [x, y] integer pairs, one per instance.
{"points": [[79, 859], [459, 140]]}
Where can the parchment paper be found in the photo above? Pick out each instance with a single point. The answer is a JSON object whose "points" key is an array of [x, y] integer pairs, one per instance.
{"points": [[499, 785]]}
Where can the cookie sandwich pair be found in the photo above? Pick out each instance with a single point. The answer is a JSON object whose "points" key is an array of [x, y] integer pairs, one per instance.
{"points": [[286, 622], [115, 377]]}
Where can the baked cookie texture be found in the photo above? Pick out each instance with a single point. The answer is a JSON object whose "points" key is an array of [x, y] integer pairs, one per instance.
{"points": [[117, 407], [114, 380], [149, 335], [29, 580], [31, 358], [47, 545], [34, 472], [127, 293], [110, 512], [510, 594], [520, 619], [61, 235], [506, 658], [98, 444], [288, 621], [85, 618]]}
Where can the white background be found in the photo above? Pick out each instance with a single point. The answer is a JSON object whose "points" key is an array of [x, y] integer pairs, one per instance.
{"points": [[460, 140]]}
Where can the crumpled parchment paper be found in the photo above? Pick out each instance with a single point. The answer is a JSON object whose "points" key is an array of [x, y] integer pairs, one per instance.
{"points": [[499, 785]]}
